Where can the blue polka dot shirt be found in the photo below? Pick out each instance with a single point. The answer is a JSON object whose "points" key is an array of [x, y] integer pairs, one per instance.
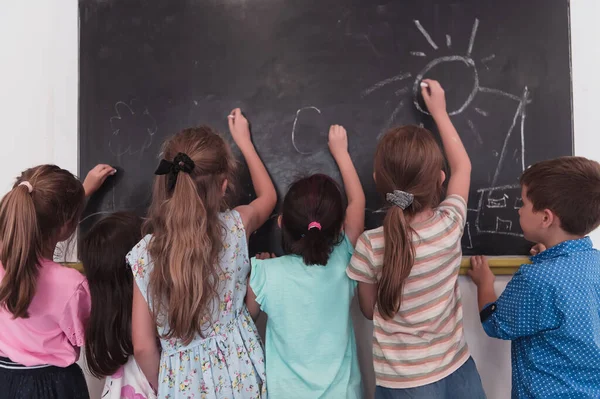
{"points": [[551, 311]]}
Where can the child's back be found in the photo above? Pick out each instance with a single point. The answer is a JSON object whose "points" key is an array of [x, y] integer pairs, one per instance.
{"points": [[43, 306], [424, 341], [59, 308], [310, 344], [551, 308], [191, 271], [229, 345]]}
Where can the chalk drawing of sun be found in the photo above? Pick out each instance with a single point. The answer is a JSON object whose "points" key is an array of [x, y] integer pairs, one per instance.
{"points": [[488, 196], [468, 62]]}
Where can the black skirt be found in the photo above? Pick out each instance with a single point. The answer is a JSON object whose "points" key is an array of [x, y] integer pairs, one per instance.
{"points": [[46, 382]]}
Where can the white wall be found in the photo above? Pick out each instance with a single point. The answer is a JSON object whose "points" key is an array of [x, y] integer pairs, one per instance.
{"points": [[38, 107]]}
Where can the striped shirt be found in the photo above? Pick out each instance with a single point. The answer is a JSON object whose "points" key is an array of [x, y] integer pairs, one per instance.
{"points": [[424, 342]]}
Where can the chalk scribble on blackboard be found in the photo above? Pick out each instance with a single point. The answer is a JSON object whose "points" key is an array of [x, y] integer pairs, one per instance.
{"points": [[426, 34], [518, 203], [294, 127], [473, 35], [467, 236], [497, 202], [385, 82], [481, 112], [474, 131], [503, 225], [467, 61], [129, 122]]}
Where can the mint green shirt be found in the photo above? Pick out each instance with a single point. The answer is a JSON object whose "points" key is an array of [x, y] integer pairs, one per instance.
{"points": [[310, 344]]}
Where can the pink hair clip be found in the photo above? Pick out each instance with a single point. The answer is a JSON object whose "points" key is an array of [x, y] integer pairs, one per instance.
{"points": [[314, 225]]}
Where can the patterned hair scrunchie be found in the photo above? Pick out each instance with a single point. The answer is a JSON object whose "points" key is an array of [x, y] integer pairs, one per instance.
{"points": [[400, 198]]}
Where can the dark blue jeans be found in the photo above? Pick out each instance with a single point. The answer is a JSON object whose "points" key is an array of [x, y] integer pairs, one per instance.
{"points": [[464, 383]]}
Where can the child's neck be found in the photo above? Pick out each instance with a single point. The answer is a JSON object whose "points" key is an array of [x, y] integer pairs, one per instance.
{"points": [[422, 216], [48, 252], [557, 237]]}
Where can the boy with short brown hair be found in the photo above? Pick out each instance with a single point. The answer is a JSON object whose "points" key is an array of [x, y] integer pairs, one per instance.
{"points": [[551, 308]]}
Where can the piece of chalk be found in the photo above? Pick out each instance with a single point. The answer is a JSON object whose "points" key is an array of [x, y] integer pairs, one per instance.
{"points": [[424, 84], [231, 116]]}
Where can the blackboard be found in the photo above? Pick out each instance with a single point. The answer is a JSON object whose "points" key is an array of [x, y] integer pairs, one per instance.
{"points": [[150, 68]]}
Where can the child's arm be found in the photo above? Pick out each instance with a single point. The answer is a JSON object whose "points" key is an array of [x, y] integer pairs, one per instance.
{"points": [[525, 308], [251, 302], [367, 297], [253, 306], [258, 211], [458, 159], [355, 212], [143, 334], [96, 177], [482, 276]]}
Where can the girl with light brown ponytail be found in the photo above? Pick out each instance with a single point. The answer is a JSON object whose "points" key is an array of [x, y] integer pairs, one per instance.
{"points": [[191, 271], [407, 270], [43, 305]]}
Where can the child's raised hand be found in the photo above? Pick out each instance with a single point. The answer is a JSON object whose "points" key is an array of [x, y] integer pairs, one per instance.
{"points": [[239, 128], [434, 96], [338, 140], [480, 271], [96, 177]]}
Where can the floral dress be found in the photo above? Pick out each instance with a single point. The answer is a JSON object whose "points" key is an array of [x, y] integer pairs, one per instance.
{"points": [[228, 363]]}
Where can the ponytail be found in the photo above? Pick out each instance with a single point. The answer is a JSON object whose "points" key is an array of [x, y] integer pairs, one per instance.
{"points": [[187, 234], [315, 247], [21, 247], [312, 219], [398, 260]]}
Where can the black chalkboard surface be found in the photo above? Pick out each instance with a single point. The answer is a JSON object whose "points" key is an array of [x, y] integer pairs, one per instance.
{"points": [[151, 68]]}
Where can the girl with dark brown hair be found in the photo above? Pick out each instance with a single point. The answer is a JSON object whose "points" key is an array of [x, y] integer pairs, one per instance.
{"points": [[310, 344], [43, 305], [108, 345], [191, 270], [407, 270]]}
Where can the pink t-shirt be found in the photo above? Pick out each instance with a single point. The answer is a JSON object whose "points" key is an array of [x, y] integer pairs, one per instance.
{"points": [[54, 330]]}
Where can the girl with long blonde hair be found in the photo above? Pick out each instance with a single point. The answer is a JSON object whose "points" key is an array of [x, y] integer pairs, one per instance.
{"points": [[191, 270]]}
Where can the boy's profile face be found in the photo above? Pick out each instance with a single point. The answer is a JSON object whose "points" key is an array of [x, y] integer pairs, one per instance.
{"points": [[530, 221]]}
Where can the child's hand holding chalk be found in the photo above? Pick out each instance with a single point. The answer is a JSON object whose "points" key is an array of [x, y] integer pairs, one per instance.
{"points": [[434, 97], [239, 128], [96, 177]]}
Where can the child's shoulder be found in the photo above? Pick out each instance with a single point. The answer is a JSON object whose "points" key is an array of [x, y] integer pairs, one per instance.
{"points": [[373, 233], [58, 284], [56, 272], [140, 250], [272, 263], [372, 237]]}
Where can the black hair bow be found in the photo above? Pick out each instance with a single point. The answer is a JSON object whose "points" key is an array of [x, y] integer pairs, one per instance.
{"points": [[181, 163]]}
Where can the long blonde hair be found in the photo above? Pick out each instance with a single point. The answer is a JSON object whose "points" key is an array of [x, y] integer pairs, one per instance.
{"points": [[409, 159], [187, 234], [30, 223]]}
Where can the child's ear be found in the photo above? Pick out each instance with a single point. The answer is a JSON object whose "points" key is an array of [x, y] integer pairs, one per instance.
{"points": [[279, 221], [548, 218], [442, 177]]}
